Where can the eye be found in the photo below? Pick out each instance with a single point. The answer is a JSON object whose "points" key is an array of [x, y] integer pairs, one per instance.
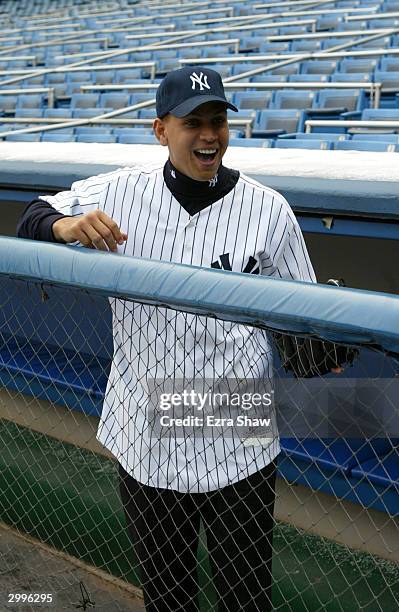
{"points": [[191, 123], [220, 120]]}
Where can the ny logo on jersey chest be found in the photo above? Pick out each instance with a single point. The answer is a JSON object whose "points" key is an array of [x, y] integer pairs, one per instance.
{"points": [[201, 80], [224, 263]]}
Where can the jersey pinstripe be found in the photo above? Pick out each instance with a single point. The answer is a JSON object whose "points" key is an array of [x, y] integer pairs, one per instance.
{"points": [[252, 229]]}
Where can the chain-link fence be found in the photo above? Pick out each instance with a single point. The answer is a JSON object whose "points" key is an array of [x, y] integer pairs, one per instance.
{"points": [[194, 399]]}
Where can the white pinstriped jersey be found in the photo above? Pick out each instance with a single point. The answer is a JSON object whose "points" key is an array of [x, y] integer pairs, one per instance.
{"points": [[251, 229]]}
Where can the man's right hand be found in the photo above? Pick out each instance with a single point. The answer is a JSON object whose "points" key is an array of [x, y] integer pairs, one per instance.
{"points": [[94, 230]]}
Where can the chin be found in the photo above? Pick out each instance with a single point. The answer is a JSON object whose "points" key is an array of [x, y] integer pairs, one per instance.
{"points": [[207, 174]]}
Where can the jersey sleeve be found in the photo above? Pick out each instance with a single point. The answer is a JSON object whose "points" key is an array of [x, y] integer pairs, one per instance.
{"points": [[83, 196], [38, 218], [285, 255]]}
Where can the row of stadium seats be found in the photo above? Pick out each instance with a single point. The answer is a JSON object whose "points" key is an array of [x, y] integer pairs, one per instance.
{"points": [[360, 142], [274, 121], [31, 105]]}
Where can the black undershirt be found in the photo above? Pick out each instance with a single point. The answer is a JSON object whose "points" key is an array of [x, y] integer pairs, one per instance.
{"points": [[197, 195], [37, 220]]}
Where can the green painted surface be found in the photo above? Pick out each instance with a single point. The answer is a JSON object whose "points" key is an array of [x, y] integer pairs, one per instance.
{"points": [[68, 498]]}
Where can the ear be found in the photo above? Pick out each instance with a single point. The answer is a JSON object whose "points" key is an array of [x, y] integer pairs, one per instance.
{"points": [[160, 132]]}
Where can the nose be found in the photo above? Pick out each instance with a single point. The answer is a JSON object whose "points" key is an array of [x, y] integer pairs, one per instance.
{"points": [[208, 132]]}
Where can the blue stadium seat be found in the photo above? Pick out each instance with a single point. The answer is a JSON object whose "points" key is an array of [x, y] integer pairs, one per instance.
{"points": [[248, 44], [54, 78], [389, 64], [147, 113], [347, 26], [84, 100], [128, 75], [318, 66], [30, 101], [288, 120], [285, 98], [295, 29], [224, 70], [376, 44], [37, 81], [164, 53], [304, 46], [92, 129], [139, 139], [384, 137], [133, 131], [299, 143], [28, 112], [166, 65], [380, 114], [79, 76], [364, 145], [58, 136], [24, 137], [120, 59], [244, 67], [350, 99], [328, 22], [269, 78], [357, 65], [103, 77], [315, 135], [114, 100], [351, 77], [138, 97], [194, 53], [251, 142], [308, 78], [388, 79], [103, 138], [253, 100], [142, 56], [274, 47], [87, 113], [57, 113], [289, 69]]}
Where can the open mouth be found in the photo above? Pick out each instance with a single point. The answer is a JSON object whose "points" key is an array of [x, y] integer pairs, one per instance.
{"points": [[206, 155]]}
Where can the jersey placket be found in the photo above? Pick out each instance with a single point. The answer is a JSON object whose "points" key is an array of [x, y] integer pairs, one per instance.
{"points": [[188, 240]]}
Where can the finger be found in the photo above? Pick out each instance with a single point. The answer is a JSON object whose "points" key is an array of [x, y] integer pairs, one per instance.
{"points": [[102, 236], [94, 238], [84, 239], [337, 370], [118, 236]]}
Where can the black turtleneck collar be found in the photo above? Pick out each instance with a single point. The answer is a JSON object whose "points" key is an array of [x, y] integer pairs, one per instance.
{"points": [[196, 195]]}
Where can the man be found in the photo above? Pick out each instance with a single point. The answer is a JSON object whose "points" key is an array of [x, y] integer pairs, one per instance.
{"points": [[192, 211]]}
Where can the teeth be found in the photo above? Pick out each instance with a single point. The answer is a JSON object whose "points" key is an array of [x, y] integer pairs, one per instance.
{"points": [[207, 151]]}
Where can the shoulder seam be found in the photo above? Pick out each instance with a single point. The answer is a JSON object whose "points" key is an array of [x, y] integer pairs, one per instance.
{"points": [[261, 187]]}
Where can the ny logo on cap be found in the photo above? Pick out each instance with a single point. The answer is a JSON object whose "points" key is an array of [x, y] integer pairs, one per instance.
{"points": [[201, 80]]}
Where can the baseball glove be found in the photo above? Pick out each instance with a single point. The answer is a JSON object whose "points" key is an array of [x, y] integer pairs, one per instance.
{"points": [[308, 357]]}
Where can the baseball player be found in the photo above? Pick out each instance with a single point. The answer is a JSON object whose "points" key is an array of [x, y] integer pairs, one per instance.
{"points": [[192, 210]]}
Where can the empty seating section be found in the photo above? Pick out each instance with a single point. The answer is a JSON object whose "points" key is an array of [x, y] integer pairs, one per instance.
{"points": [[307, 67]]}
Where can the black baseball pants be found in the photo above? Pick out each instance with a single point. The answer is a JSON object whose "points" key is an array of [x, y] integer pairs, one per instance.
{"points": [[164, 529]]}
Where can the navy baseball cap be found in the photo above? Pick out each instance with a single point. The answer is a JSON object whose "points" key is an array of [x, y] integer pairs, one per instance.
{"points": [[181, 91]]}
